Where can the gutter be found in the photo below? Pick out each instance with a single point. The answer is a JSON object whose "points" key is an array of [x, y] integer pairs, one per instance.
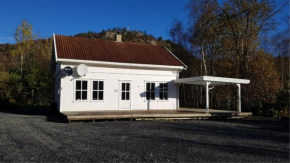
{"points": [[121, 64]]}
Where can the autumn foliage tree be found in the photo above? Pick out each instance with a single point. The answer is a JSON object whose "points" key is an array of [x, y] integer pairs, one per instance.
{"points": [[25, 76], [226, 38]]}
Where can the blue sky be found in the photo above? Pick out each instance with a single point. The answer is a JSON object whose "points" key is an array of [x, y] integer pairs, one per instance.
{"points": [[68, 17]]}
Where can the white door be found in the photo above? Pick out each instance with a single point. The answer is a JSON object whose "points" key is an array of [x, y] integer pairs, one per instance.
{"points": [[125, 95]]}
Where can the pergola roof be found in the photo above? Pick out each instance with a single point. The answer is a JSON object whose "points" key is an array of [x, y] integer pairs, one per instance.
{"points": [[201, 80]]}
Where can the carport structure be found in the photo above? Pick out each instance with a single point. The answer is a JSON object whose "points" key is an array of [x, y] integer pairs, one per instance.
{"points": [[214, 81]]}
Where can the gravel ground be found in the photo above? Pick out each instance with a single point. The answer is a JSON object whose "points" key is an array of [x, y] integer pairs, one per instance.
{"points": [[35, 138]]}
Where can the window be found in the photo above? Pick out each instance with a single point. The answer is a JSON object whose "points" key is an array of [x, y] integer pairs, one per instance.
{"points": [[125, 91], [98, 90], [81, 90], [150, 91], [163, 91]]}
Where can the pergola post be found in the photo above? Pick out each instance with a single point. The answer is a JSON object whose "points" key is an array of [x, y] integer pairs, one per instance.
{"points": [[239, 98], [177, 96], [207, 96]]}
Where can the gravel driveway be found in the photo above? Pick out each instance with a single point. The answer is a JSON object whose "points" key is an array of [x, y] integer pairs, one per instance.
{"points": [[35, 138]]}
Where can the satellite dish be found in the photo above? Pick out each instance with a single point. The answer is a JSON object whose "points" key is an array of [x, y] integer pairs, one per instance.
{"points": [[67, 71], [82, 70]]}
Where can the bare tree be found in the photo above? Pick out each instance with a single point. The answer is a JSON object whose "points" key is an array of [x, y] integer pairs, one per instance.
{"points": [[24, 38], [244, 20], [177, 33]]}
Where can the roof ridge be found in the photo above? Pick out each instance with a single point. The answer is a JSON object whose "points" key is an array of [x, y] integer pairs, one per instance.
{"points": [[85, 38]]}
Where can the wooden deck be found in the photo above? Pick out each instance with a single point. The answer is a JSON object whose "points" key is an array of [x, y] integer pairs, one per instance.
{"points": [[182, 113]]}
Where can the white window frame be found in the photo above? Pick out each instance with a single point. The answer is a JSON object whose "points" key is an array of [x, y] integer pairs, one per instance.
{"points": [[92, 89], [75, 90], [159, 100], [145, 90]]}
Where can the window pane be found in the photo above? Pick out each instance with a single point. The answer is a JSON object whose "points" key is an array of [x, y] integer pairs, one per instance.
{"points": [[123, 95], [161, 95], [127, 86], [152, 86], [84, 95], [161, 87], [95, 95], [78, 95], [85, 85], [165, 95], [95, 85], [101, 95], [165, 87], [152, 96], [147, 86], [78, 84], [147, 95], [101, 85], [123, 86], [127, 95]]}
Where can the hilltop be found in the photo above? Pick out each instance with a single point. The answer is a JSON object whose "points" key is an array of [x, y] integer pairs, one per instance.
{"points": [[133, 36]]}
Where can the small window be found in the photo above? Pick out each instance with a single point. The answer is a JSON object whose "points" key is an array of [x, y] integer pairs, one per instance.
{"points": [[98, 90], [81, 90], [163, 91], [150, 91]]}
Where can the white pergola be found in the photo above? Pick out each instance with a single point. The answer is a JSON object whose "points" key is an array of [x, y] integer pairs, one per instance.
{"points": [[212, 80]]}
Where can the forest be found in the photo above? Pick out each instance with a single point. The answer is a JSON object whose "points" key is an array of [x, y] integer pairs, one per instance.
{"points": [[228, 40]]}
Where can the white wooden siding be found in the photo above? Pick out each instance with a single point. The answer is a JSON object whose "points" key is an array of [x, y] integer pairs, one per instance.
{"points": [[112, 77]]}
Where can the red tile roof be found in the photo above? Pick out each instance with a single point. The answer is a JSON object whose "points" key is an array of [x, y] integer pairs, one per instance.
{"points": [[109, 51]]}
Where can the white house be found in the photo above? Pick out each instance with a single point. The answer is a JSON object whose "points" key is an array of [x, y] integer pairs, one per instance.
{"points": [[114, 75]]}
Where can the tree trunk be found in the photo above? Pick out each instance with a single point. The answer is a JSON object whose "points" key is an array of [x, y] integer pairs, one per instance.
{"points": [[203, 59], [282, 74], [21, 64], [200, 86]]}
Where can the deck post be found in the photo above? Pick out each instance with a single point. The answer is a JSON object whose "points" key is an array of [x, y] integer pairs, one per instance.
{"points": [[177, 96], [239, 98], [207, 96]]}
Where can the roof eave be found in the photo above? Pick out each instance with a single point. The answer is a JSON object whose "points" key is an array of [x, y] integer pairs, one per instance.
{"points": [[185, 67], [201, 80], [55, 48], [132, 65]]}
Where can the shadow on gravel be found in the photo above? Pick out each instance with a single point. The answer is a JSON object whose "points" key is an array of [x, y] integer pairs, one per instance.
{"points": [[33, 110], [277, 125], [241, 129], [25, 110], [55, 119], [236, 137], [233, 149]]}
